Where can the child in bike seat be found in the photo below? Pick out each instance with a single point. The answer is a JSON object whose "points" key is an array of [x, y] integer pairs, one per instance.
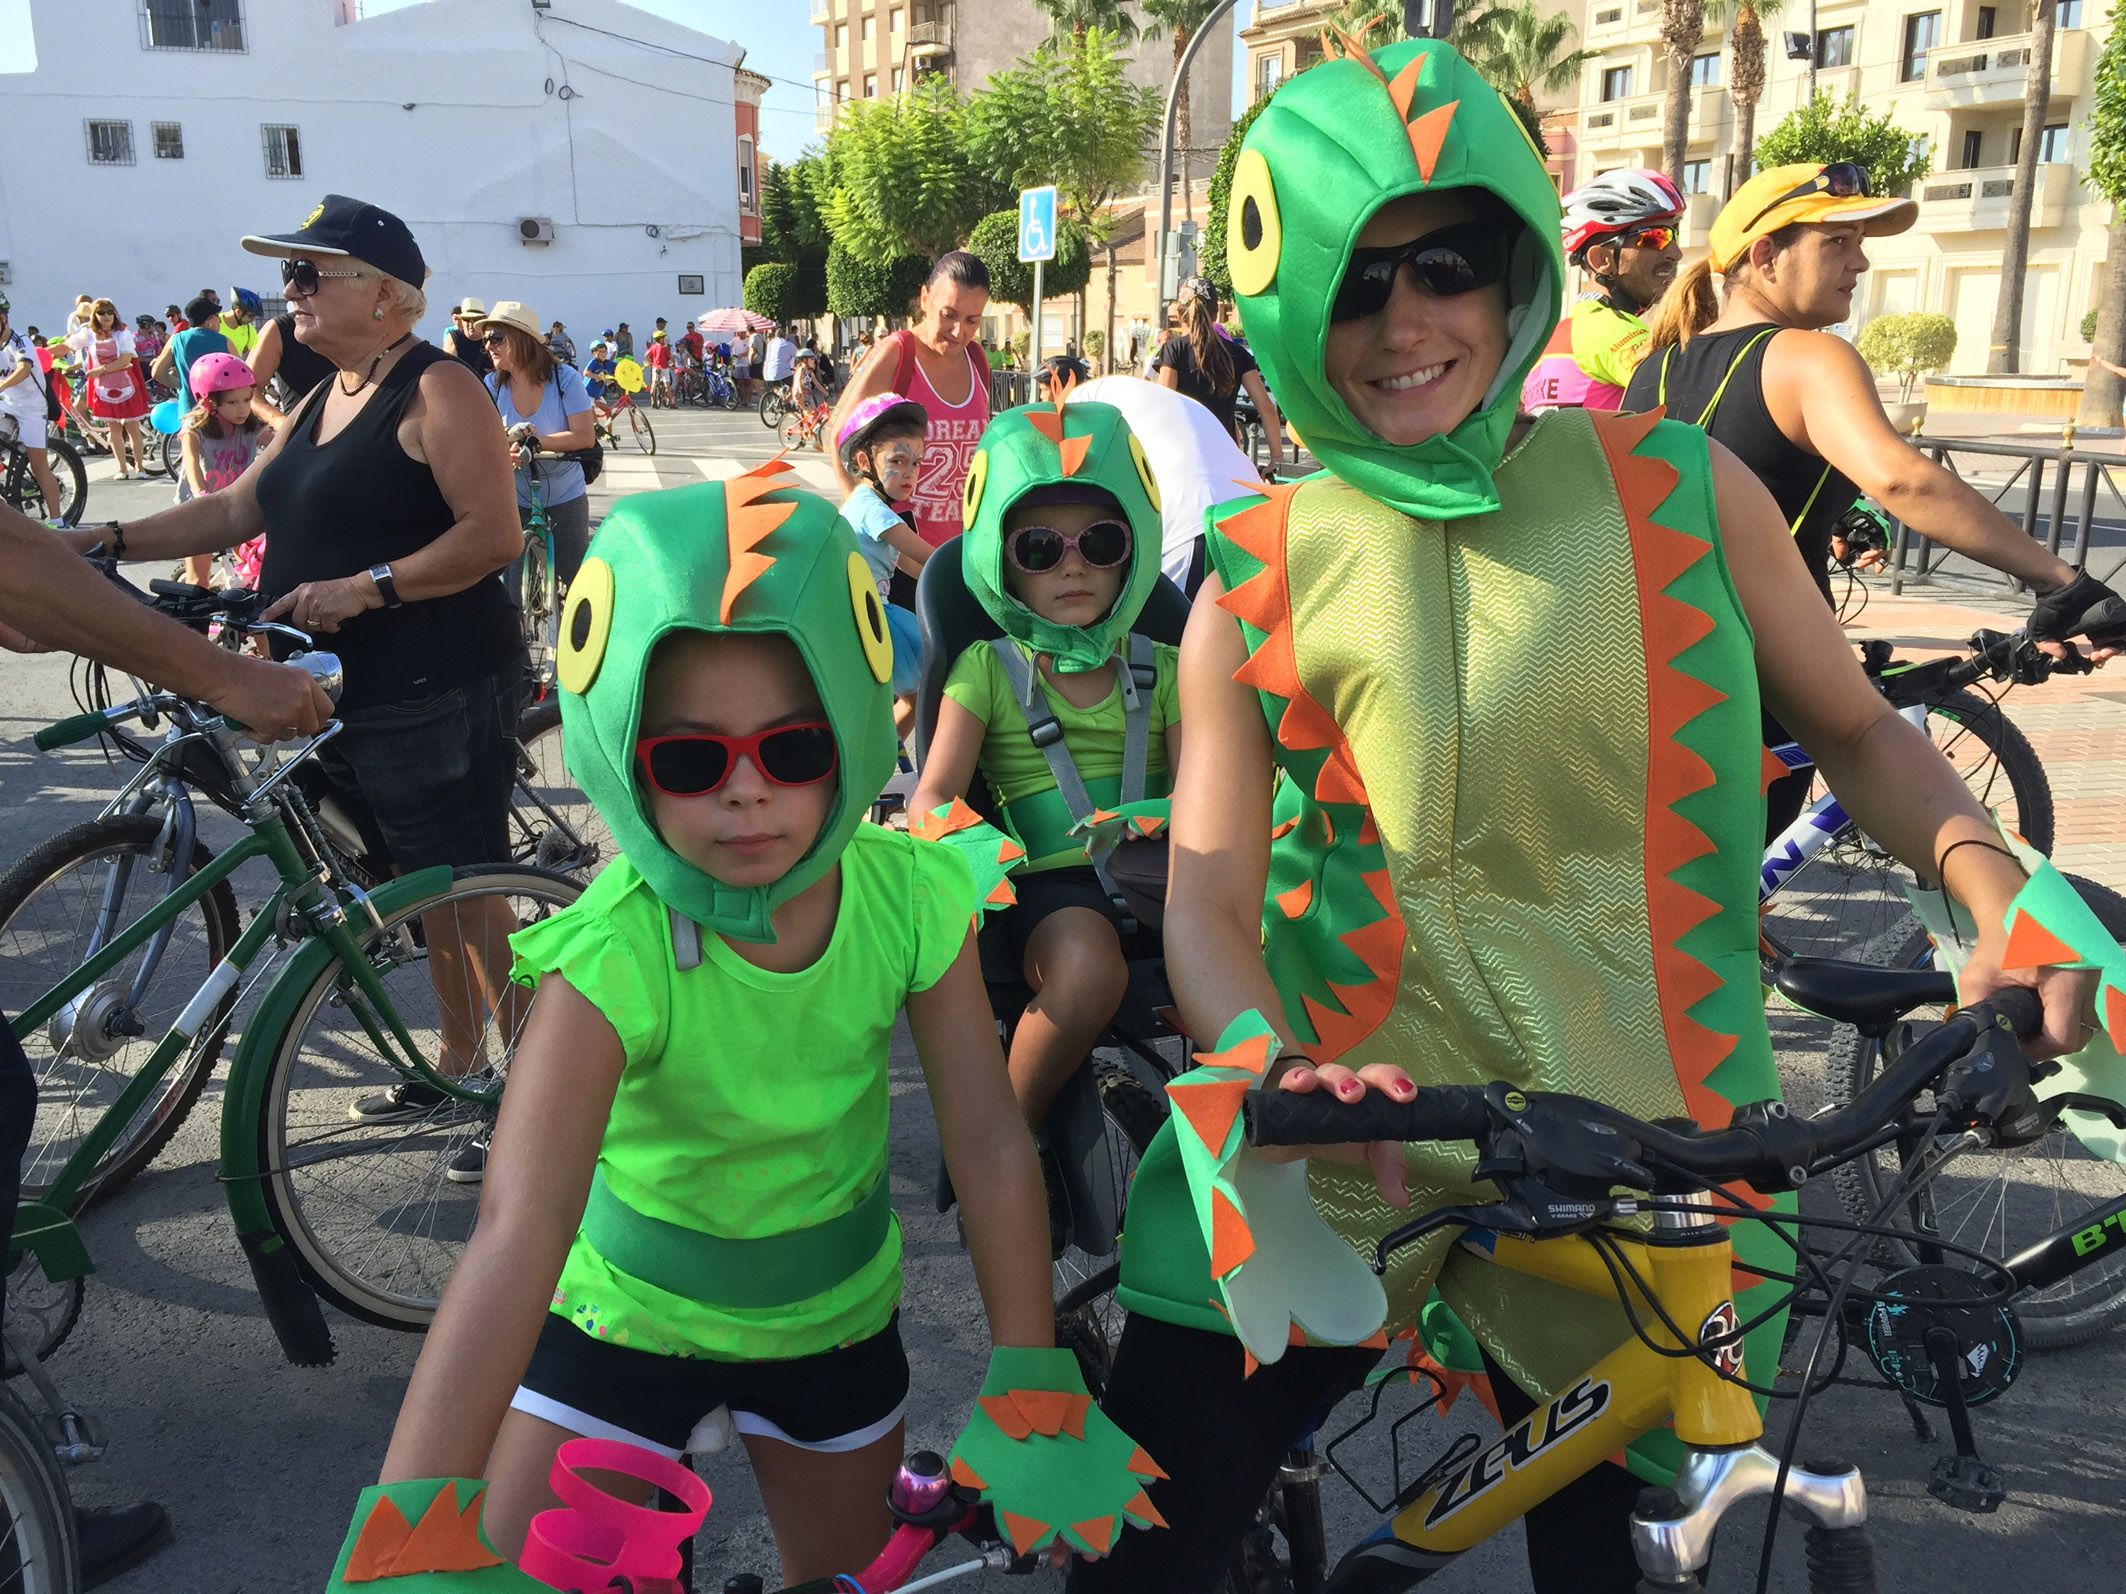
{"points": [[880, 446], [686, 1225], [1062, 721]]}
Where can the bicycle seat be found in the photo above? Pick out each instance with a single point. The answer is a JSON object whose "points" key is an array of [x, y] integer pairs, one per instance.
{"points": [[1861, 994]]}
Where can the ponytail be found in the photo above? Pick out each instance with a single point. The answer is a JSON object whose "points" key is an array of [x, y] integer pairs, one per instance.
{"points": [[1214, 361], [1687, 309]]}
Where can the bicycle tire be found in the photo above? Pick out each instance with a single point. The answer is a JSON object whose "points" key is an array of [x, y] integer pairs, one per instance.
{"points": [[546, 799], [72, 476], [320, 1062], [771, 408], [26, 973], [792, 431], [40, 1315], [1848, 900], [640, 430], [173, 456], [39, 1550], [1131, 1114], [1981, 1185], [538, 609]]}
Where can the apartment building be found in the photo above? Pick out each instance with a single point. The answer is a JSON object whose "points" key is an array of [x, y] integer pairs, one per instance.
{"points": [[1951, 72], [870, 49]]}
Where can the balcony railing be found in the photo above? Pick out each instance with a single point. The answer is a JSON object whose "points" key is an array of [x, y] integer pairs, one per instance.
{"points": [[1994, 71], [1977, 198], [1636, 119], [930, 38]]}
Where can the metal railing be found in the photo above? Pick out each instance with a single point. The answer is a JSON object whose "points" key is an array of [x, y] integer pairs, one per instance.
{"points": [[2042, 492]]}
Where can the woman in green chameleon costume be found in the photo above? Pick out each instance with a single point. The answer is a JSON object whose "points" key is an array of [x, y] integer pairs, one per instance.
{"points": [[1509, 672]]}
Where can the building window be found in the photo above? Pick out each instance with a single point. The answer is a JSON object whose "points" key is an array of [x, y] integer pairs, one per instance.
{"points": [[745, 175], [1834, 47], [1705, 70], [1974, 148], [900, 79], [110, 143], [284, 150], [1269, 72], [864, 31], [192, 25], [870, 85], [169, 140], [1922, 33], [898, 22], [1988, 19], [1616, 82], [841, 35], [1697, 177], [2052, 143], [2067, 14]]}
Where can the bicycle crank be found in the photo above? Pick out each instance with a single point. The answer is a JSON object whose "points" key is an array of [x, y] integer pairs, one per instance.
{"points": [[1935, 1318]]}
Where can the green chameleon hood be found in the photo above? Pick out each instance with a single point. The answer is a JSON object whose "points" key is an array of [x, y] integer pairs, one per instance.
{"points": [[1039, 446], [1335, 144], [752, 554]]}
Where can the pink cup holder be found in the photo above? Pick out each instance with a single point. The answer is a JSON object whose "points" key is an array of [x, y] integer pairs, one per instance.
{"points": [[597, 1535]]}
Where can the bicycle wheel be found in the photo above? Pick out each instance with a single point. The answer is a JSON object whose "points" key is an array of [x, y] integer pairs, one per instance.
{"points": [[553, 826], [771, 407], [1848, 900], [368, 1209], [537, 613], [792, 431], [1999, 1201], [173, 455], [640, 430], [71, 476], [1131, 1113], [86, 1055], [38, 1550]]}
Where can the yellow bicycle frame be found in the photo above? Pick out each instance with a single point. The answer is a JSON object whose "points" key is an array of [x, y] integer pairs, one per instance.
{"points": [[1629, 1392]]}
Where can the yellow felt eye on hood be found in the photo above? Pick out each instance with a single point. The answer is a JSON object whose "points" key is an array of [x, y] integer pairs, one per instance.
{"points": [[971, 493], [1144, 471], [1253, 234], [870, 618], [586, 623]]}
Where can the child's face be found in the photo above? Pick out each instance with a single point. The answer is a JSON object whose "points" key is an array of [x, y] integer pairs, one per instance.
{"points": [[1072, 592], [233, 404], [749, 831], [895, 462]]}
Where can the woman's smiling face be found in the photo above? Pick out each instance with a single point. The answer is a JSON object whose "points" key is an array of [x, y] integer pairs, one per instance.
{"points": [[1421, 365]]}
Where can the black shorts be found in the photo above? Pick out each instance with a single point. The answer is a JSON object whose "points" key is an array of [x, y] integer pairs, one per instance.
{"points": [[1047, 892], [839, 1400]]}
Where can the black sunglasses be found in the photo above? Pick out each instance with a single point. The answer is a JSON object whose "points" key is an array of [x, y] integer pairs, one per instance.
{"points": [[1034, 549], [1840, 179], [304, 276], [1448, 262]]}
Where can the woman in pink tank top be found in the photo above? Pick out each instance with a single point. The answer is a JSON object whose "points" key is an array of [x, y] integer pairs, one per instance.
{"points": [[938, 363]]}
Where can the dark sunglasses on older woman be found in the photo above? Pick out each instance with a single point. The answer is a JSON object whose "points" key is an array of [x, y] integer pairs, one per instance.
{"points": [[696, 763], [304, 276], [1035, 549], [1447, 262]]}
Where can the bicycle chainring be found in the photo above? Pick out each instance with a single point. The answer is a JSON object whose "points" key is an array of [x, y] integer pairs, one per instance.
{"points": [[1922, 1303]]}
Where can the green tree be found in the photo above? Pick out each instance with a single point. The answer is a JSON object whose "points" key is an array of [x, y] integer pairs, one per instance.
{"points": [[1182, 18], [1825, 130], [771, 291], [1745, 85], [1682, 31], [2102, 394], [900, 178], [1521, 50], [863, 286], [1074, 19], [1210, 248], [2006, 353], [996, 243]]}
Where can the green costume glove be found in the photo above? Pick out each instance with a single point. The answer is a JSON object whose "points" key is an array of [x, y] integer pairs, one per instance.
{"points": [[993, 856], [423, 1536], [1276, 1264], [1105, 829], [1048, 1460], [2050, 926]]}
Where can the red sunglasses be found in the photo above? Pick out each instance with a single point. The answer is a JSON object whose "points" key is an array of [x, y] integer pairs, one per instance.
{"points": [[699, 762]]}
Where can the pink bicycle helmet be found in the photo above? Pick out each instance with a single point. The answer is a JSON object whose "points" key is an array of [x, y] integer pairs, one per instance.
{"points": [[1617, 202], [219, 373], [867, 417]]}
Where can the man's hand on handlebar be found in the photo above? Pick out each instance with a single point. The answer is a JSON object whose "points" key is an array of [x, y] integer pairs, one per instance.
{"points": [[272, 701], [1383, 1157]]}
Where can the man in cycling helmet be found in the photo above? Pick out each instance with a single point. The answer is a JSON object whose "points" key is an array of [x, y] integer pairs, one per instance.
{"points": [[1621, 229]]}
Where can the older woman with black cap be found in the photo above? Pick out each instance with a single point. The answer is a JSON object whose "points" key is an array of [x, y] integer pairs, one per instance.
{"points": [[388, 502]]}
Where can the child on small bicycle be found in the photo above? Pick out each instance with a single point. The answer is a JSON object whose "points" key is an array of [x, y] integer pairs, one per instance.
{"points": [[686, 1225], [881, 444], [599, 377], [1062, 548], [221, 437]]}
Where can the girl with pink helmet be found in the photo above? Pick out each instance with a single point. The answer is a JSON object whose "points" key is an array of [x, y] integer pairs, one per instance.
{"points": [[221, 438]]}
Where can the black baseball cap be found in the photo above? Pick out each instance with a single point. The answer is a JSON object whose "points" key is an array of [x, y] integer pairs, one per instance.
{"points": [[352, 230]]}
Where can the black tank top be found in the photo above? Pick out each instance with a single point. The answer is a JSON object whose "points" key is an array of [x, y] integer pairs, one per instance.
{"points": [[301, 367], [1795, 478], [469, 351], [334, 509]]}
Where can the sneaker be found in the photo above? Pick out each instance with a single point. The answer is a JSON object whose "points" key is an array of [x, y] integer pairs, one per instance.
{"points": [[469, 1166], [408, 1099], [115, 1539]]}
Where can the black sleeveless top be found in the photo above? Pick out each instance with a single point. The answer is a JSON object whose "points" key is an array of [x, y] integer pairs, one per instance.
{"points": [[1741, 421], [301, 367], [470, 352], [335, 509]]}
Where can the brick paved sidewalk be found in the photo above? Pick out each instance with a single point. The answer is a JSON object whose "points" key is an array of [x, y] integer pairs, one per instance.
{"points": [[2076, 723]]}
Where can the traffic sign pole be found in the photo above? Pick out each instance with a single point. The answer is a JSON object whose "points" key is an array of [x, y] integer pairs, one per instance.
{"points": [[1037, 245], [1033, 346]]}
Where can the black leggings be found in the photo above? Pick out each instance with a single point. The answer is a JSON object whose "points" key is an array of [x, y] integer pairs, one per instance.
{"points": [[1180, 1393]]}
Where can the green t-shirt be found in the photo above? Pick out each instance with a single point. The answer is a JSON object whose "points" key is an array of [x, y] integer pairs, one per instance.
{"points": [[752, 1103], [1607, 344], [1017, 770]]}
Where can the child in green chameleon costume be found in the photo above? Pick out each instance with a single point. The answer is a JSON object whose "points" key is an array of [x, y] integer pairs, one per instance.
{"points": [[694, 1134], [1062, 550], [1507, 671]]}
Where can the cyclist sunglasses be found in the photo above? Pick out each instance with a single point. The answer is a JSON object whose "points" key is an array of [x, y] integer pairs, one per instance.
{"points": [[699, 762], [1652, 238], [303, 275], [1035, 549], [1840, 179], [1448, 262]]}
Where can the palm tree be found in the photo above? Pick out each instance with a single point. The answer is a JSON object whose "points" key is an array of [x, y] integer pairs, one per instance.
{"points": [[1075, 17], [1183, 17], [1682, 28], [1520, 50], [2006, 354], [1746, 78]]}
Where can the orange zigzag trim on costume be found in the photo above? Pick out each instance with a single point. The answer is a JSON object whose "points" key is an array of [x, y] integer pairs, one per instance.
{"points": [[747, 524], [1668, 626]]}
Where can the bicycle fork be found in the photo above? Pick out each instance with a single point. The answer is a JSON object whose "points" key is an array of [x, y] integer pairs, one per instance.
{"points": [[1672, 1530]]}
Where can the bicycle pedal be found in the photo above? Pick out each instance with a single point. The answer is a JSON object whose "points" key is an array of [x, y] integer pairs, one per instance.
{"points": [[76, 1438], [1968, 1484]]}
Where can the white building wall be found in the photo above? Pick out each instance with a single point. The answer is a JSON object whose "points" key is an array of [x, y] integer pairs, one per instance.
{"points": [[458, 115]]}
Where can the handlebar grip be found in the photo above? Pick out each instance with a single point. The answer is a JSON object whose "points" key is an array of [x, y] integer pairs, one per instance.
{"points": [[78, 728], [2020, 1006], [1317, 1118]]}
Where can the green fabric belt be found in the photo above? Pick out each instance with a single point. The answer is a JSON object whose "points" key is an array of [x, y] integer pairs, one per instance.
{"points": [[775, 1270]]}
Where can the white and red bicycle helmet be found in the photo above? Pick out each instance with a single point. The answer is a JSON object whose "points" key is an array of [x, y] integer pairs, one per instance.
{"points": [[1617, 202]]}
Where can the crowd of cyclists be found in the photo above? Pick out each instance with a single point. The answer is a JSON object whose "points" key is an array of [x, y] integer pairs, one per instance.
{"points": [[674, 1226]]}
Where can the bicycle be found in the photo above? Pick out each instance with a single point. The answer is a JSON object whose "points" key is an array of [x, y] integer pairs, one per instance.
{"points": [[640, 432], [18, 483], [806, 428], [722, 391], [774, 403], [536, 580], [325, 1207]]}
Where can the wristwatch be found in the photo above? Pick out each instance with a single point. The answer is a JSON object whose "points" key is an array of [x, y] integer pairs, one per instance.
{"points": [[386, 588]]}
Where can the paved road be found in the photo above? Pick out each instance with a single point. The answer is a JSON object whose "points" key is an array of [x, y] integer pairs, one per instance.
{"points": [[260, 1462]]}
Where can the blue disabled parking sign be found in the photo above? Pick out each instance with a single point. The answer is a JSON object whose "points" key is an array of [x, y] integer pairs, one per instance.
{"points": [[1037, 224]]}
